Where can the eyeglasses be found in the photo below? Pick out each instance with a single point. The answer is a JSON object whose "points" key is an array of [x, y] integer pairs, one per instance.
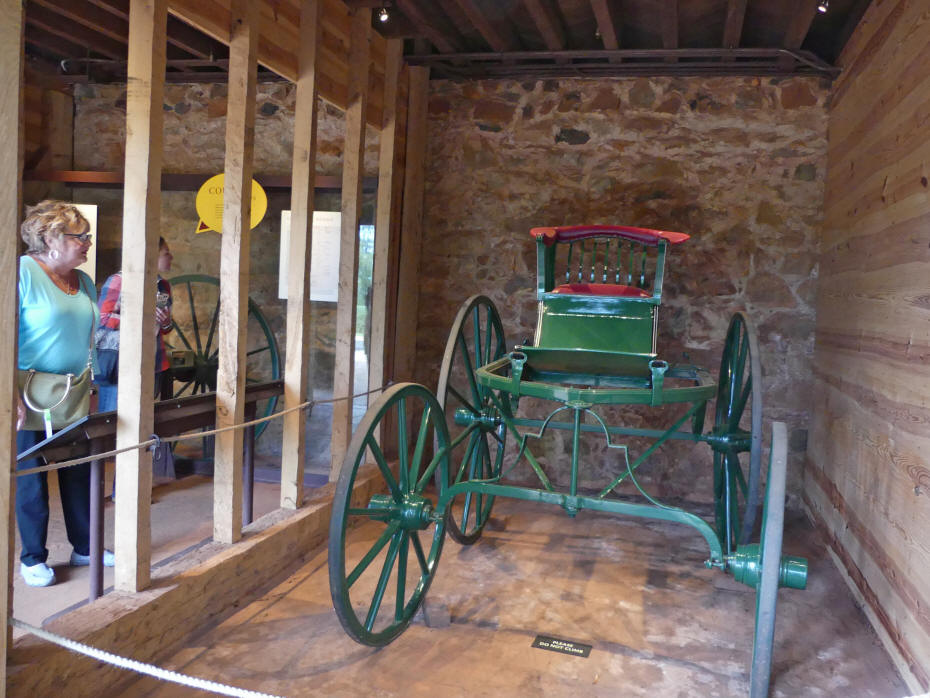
{"points": [[80, 237]]}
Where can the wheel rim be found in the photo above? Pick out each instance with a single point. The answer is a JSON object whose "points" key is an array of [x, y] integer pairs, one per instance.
{"points": [[738, 428], [476, 339], [377, 587], [770, 554], [195, 313]]}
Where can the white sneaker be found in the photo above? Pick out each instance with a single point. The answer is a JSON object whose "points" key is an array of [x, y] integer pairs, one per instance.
{"points": [[78, 560], [40, 575]]}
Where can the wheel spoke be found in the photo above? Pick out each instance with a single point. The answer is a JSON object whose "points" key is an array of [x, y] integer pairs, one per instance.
{"points": [[362, 565], [216, 312], [402, 456], [476, 394], [466, 459], [258, 351], [740, 405], [384, 468], [190, 297], [421, 556], [382, 581], [461, 398], [486, 357], [184, 387], [371, 513], [421, 444], [740, 477], [401, 576], [476, 322], [182, 337]]}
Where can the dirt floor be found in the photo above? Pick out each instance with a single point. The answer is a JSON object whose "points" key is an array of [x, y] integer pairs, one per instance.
{"points": [[657, 621]]}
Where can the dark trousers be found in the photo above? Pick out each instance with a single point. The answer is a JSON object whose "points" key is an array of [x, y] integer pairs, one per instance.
{"points": [[32, 504]]}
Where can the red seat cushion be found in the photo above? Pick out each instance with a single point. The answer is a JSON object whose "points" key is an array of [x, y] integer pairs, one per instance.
{"points": [[602, 290]]}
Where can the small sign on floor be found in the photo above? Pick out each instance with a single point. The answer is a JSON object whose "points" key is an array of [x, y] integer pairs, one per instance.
{"points": [[554, 644]]}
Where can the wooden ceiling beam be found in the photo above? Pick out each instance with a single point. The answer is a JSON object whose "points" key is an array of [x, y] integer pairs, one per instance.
{"points": [[70, 31], [52, 43], [800, 23], [117, 8], [496, 40], [89, 16], [444, 41], [185, 37], [733, 27], [607, 24], [547, 22]]}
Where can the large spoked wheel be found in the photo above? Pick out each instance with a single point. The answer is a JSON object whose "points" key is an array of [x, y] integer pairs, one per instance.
{"points": [[376, 583], [193, 346], [476, 339], [738, 428], [771, 564]]}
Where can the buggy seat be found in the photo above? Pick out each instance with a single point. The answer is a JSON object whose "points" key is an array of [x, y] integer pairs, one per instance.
{"points": [[599, 288]]}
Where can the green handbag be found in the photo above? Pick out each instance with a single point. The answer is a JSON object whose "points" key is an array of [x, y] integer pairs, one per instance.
{"points": [[52, 400]]}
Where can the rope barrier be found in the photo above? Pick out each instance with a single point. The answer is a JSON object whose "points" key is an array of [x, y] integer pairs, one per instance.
{"points": [[141, 667], [310, 404]]}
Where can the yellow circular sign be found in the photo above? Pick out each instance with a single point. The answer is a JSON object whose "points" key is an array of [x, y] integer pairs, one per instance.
{"points": [[210, 204]]}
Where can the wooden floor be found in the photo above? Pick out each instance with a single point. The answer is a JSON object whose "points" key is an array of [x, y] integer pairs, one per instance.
{"points": [[658, 622]]}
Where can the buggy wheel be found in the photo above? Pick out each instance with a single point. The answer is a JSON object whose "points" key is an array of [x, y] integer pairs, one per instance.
{"points": [[771, 565], [193, 346], [738, 432], [376, 583], [476, 339]]}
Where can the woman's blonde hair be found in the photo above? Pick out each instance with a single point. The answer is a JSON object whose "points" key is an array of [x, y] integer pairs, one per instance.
{"points": [[53, 218]]}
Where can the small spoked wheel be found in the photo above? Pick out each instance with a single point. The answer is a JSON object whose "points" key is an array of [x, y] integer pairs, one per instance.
{"points": [[379, 577], [738, 432], [476, 339]]}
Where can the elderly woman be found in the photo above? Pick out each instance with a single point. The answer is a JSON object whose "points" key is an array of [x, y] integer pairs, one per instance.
{"points": [[57, 314]]}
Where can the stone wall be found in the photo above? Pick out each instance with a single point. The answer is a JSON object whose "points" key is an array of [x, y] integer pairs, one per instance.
{"points": [[194, 143], [736, 162]]}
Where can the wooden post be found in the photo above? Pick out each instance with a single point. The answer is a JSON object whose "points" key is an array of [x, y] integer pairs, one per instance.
{"points": [[141, 227], [389, 169], [234, 271], [360, 38], [303, 177], [11, 153], [407, 291]]}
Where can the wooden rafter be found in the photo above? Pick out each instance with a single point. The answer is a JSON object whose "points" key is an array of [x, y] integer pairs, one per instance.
{"points": [[607, 25], [52, 43], [733, 27], [489, 32], [68, 30], [547, 22], [89, 16], [444, 41], [800, 23], [186, 38]]}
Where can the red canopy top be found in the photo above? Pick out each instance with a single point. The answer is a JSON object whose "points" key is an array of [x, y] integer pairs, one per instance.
{"points": [[569, 233]]}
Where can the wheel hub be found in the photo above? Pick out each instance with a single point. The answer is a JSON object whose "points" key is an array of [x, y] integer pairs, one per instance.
{"points": [[413, 513], [489, 419]]}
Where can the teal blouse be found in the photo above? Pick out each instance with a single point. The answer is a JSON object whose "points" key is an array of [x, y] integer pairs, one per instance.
{"points": [[54, 327]]}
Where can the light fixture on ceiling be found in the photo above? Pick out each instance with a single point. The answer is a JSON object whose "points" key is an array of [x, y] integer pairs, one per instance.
{"points": [[823, 6], [383, 15]]}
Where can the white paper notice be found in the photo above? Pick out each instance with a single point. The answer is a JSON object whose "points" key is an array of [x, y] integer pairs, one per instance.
{"points": [[324, 256]]}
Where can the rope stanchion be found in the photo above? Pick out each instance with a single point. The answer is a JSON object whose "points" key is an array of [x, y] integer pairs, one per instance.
{"points": [[155, 440], [140, 667]]}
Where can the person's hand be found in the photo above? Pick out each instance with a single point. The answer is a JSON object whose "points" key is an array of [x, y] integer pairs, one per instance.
{"points": [[20, 412], [163, 317]]}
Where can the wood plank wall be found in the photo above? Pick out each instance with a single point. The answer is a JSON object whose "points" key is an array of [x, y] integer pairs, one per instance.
{"points": [[868, 470]]}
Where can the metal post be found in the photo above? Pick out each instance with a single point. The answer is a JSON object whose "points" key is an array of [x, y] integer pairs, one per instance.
{"points": [[248, 467], [96, 523]]}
